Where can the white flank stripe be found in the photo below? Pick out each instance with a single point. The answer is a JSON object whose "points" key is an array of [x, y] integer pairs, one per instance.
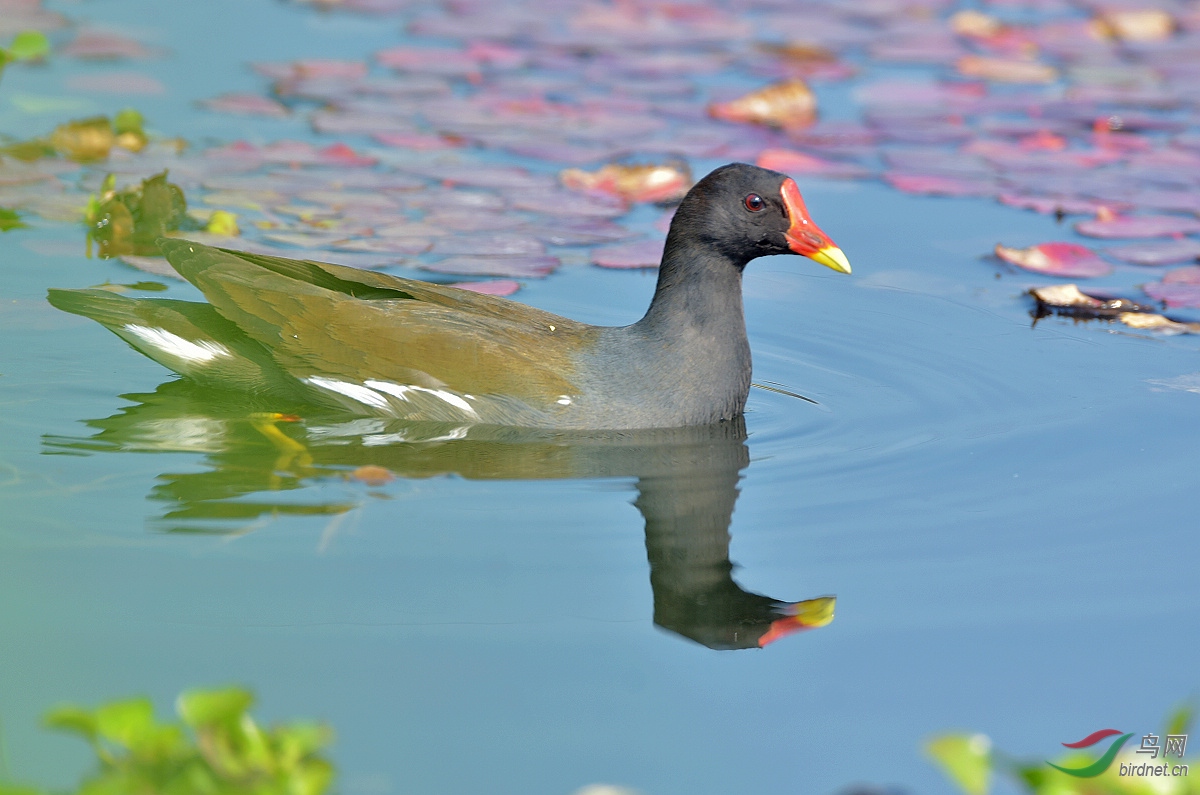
{"points": [[175, 345], [387, 386], [399, 391], [357, 392]]}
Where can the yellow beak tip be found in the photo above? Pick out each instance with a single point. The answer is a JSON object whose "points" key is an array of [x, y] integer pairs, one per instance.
{"points": [[833, 258]]}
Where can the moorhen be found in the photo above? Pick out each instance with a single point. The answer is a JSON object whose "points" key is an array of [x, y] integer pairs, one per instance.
{"points": [[381, 345]]}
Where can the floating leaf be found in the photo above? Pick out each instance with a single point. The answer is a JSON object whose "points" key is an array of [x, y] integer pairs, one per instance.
{"points": [[222, 223], [1067, 299], [10, 219], [1178, 288], [126, 723], [500, 287], [74, 719], [313, 69], [569, 204], [405, 246], [103, 46], [213, 707], [1005, 70], [418, 141], [940, 186], [431, 60], [131, 220], [1056, 259], [513, 267], [372, 475], [667, 182], [643, 254], [246, 104], [29, 45], [790, 105], [965, 759], [117, 83], [975, 24], [792, 162], [501, 244], [1164, 325], [579, 232], [1135, 24], [1166, 253], [1058, 205], [1139, 226], [85, 140]]}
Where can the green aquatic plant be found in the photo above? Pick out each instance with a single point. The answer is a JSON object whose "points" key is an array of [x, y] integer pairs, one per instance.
{"points": [[28, 45], [215, 748], [969, 760], [129, 221], [87, 140], [10, 219]]}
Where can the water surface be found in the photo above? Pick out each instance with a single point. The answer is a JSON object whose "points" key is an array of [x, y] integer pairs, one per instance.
{"points": [[1004, 512]]}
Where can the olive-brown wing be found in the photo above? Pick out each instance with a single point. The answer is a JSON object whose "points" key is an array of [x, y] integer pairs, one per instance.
{"points": [[326, 320]]}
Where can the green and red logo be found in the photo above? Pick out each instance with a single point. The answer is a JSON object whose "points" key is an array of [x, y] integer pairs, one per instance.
{"points": [[1101, 764]]}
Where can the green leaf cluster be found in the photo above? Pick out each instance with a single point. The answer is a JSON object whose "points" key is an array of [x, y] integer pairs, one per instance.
{"points": [[87, 140], [10, 219], [969, 761], [215, 748], [28, 45], [129, 221]]}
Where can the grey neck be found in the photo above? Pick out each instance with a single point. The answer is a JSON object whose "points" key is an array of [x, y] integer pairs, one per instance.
{"points": [[699, 290], [694, 334]]}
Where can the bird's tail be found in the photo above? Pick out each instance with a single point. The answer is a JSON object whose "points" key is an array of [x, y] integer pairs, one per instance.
{"points": [[190, 338]]}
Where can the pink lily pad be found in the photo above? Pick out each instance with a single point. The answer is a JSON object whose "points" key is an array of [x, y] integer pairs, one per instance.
{"points": [[246, 104], [507, 244], [500, 287], [313, 69], [1139, 226], [582, 232], [792, 162], [117, 83], [480, 176], [533, 267], [1052, 205], [338, 122], [104, 46], [470, 220], [1184, 201], [414, 140], [1178, 288], [405, 246], [1067, 260], [929, 184], [642, 254], [1165, 253], [568, 203], [431, 60]]}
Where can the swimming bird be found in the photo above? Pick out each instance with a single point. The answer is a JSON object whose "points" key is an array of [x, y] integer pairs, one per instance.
{"points": [[375, 344]]}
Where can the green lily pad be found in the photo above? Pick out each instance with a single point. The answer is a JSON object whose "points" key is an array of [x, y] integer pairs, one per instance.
{"points": [[29, 45], [966, 759], [10, 219]]}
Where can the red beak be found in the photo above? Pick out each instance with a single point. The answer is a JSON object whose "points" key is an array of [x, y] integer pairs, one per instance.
{"points": [[804, 237]]}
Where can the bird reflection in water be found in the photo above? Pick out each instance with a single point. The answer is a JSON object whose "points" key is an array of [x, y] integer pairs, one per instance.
{"points": [[687, 484]]}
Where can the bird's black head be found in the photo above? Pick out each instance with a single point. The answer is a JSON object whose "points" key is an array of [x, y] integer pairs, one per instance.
{"points": [[744, 212]]}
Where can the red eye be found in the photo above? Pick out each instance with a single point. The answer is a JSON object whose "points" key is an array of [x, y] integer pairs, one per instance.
{"points": [[754, 202]]}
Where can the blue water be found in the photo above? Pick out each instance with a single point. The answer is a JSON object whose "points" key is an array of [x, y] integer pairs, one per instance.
{"points": [[1004, 511]]}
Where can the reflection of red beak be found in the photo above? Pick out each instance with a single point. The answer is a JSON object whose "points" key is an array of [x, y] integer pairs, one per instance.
{"points": [[809, 614], [803, 236]]}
